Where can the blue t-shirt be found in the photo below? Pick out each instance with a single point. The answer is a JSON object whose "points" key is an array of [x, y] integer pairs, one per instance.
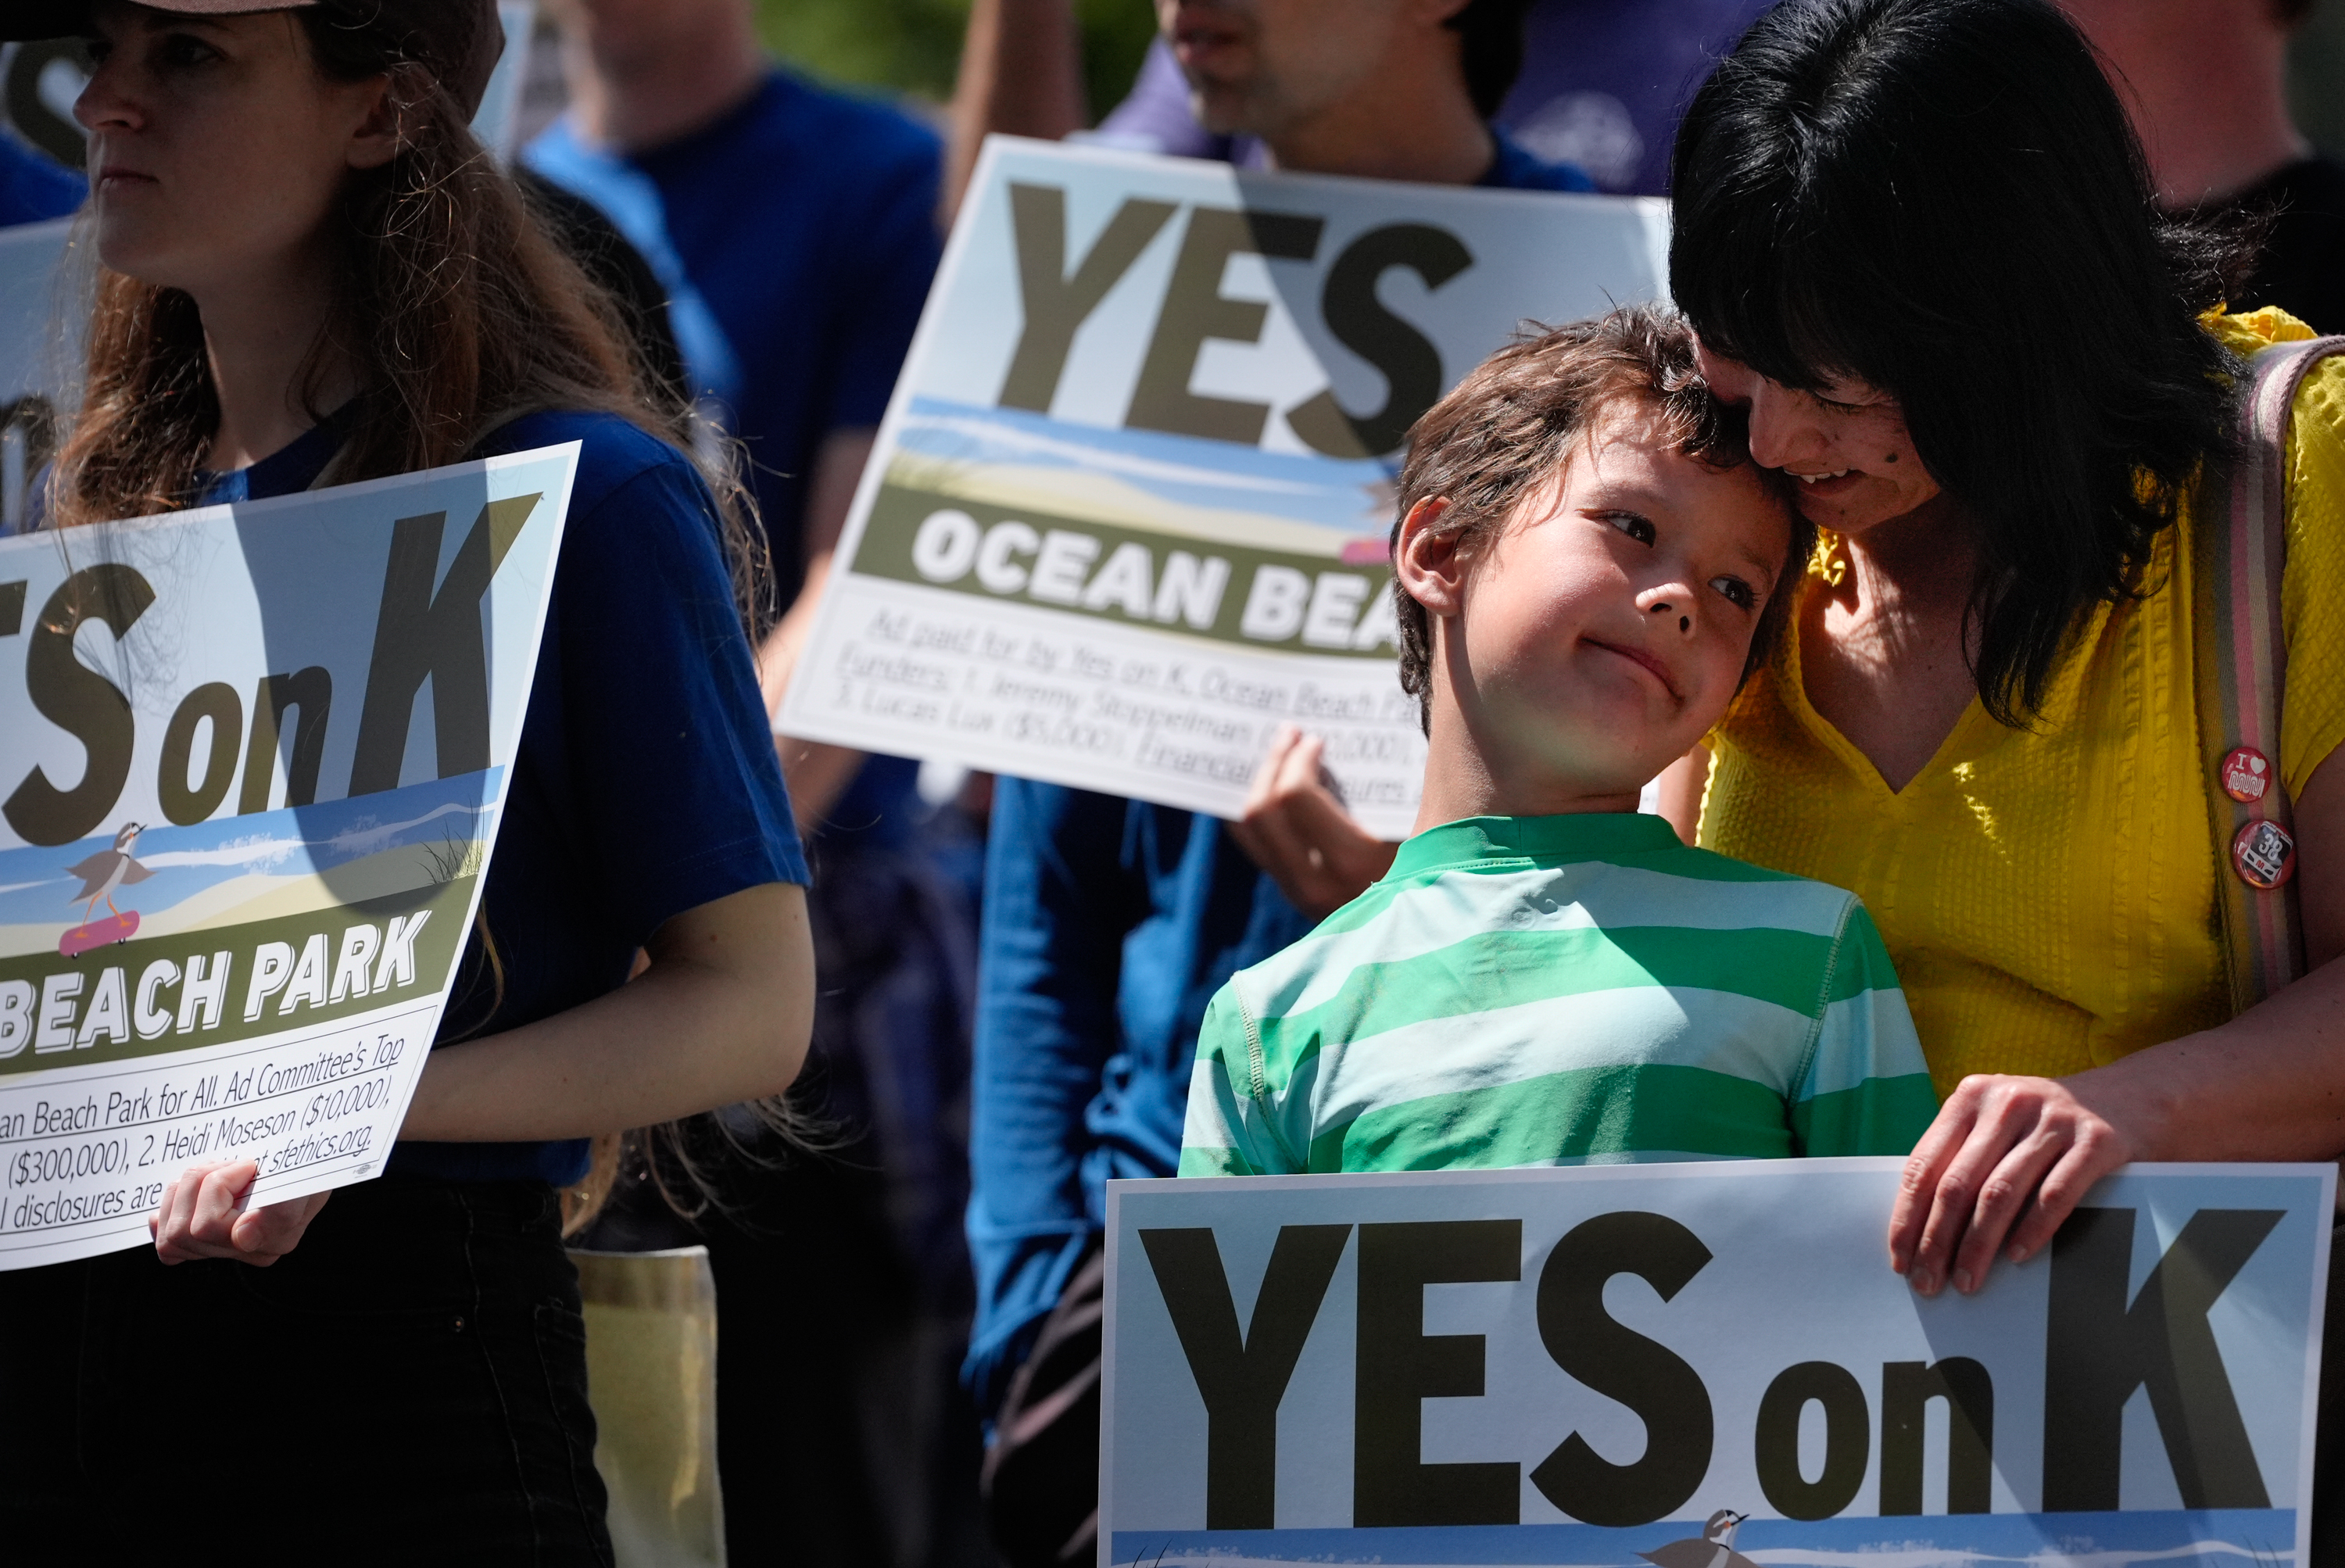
{"points": [[646, 783], [805, 223], [33, 186], [1109, 925]]}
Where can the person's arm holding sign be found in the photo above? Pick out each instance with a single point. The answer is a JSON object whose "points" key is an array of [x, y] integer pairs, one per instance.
{"points": [[2011, 1156], [818, 772], [887, 282], [731, 981], [1296, 829], [729, 992]]}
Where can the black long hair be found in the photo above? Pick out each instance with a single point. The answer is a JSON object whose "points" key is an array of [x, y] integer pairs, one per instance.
{"points": [[1943, 198], [1493, 52]]}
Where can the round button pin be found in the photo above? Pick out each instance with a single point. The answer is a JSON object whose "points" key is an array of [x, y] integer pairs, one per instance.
{"points": [[2246, 775], [2264, 855]]}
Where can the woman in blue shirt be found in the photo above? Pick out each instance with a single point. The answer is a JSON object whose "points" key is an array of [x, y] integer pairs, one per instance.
{"points": [[313, 274]]}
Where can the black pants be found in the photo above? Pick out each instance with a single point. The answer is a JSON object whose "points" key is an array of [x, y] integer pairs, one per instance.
{"points": [[408, 1385]]}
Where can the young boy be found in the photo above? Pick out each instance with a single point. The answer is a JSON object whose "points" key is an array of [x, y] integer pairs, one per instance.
{"points": [[1587, 566]]}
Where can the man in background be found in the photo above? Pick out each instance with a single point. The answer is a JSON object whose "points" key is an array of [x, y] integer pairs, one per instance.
{"points": [[1601, 86], [2207, 84], [795, 229], [1109, 923]]}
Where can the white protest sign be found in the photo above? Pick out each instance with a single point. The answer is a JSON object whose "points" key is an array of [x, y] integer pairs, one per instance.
{"points": [[253, 760], [1703, 1366], [1127, 512]]}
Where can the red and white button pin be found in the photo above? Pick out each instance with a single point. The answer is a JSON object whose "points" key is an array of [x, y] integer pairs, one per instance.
{"points": [[2246, 775], [2264, 855]]}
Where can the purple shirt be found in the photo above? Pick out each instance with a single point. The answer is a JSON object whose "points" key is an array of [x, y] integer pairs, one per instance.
{"points": [[1602, 85]]}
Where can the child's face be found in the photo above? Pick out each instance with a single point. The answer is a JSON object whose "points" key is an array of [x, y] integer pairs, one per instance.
{"points": [[1605, 627]]}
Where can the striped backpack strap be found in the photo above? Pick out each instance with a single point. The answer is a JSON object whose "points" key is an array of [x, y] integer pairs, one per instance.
{"points": [[2242, 671]]}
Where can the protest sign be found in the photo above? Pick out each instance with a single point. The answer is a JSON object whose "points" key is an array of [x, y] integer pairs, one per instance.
{"points": [[1128, 509], [1703, 1366], [253, 758]]}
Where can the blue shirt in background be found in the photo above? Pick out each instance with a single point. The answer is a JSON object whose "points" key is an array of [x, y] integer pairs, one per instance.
{"points": [[804, 224], [35, 186], [645, 784], [1108, 926]]}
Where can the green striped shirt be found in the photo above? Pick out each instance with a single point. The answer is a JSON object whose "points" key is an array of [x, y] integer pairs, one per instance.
{"points": [[1545, 990]]}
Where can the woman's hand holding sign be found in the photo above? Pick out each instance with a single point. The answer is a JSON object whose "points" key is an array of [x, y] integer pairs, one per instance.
{"points": [[203, 1214], [2007, 1161], [2010, 1158]]}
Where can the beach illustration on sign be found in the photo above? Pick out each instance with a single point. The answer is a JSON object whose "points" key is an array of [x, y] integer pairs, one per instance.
{"points": [[1213, 491], [230, 871], [2149, 1538], [101, 875]]}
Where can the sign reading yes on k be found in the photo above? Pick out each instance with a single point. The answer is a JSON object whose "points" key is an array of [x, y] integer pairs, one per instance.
{"points": [[1128, 509], [1705, 1366], [252, 760]]}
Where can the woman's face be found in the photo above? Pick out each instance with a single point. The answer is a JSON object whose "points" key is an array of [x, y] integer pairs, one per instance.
{"points": [[1846, 444], [217, 147]]}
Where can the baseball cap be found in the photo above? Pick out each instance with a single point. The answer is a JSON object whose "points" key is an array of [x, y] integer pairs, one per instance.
{"points": [[458, 40]]}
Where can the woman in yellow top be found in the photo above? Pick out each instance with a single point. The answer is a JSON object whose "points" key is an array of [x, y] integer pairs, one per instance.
{"points": [[1917, 239]]}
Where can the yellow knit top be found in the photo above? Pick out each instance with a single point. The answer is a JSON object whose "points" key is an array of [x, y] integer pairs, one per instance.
{"points": [[2048, 894]]}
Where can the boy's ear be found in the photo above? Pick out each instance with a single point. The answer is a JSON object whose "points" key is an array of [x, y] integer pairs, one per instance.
{"points": [[1427, 560]]}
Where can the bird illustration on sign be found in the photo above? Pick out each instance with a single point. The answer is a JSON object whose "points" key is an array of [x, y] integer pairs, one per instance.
{"points": [[1714, 1550], [101, 875]]}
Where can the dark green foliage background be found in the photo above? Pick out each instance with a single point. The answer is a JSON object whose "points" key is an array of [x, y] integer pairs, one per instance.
{"points": [[2318, 85], [914, 46]]}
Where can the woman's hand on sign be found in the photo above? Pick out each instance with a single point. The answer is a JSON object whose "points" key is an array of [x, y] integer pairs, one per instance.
{"points": [[2005, 1164], [203, 1214], [1296, 828]]}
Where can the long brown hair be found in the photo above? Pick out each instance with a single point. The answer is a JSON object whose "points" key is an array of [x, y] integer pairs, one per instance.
{"points": [[459, 314], [456, 309]]}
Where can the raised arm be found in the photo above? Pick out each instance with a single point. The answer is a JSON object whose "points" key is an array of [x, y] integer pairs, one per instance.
{"points": [[1020, 74]]}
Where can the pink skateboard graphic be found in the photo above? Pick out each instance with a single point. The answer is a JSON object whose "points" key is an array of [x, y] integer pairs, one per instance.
{"points": [[115, 928], [101, 875]]}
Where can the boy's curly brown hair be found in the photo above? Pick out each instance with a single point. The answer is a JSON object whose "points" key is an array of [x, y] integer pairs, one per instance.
{"points": [[1508, 427]]}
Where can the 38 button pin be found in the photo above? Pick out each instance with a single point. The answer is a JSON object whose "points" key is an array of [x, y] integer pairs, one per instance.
{"points": [[2264, 855]]}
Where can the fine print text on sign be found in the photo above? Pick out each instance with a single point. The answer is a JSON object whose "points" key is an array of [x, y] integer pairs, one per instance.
{"points": [[1703, 1366], [252, 760], [1127, 510]]}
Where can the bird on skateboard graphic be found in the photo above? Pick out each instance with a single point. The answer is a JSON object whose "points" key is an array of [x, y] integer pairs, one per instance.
{"points": [[100, 875], [1714, 1550]]}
